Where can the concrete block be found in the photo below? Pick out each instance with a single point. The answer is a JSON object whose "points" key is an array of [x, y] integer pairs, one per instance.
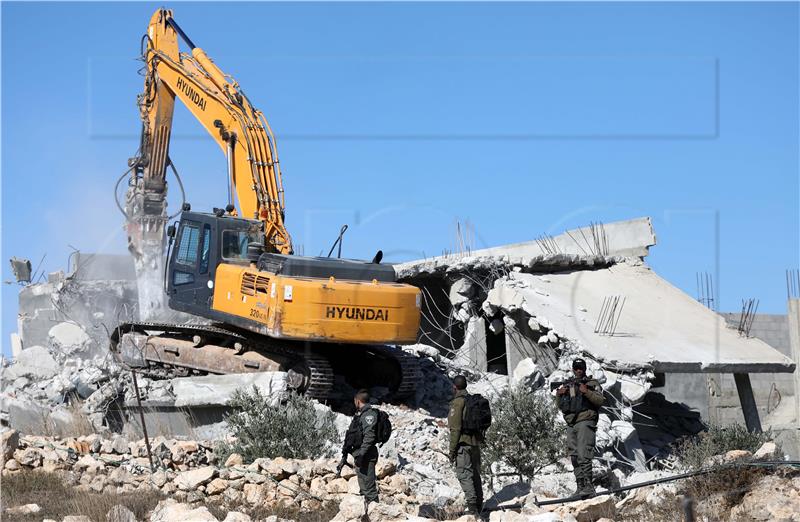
{"points": [[16, 344], [34, 362], [217, 390], [68, 336], [527, 374], [473, 352]]}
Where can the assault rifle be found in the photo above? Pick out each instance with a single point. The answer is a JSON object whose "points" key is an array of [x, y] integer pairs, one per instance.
{"points": [[573, 381], [352, 441]]}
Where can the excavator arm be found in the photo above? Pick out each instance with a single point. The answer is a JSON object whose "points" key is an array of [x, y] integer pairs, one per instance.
{"points": [[220, 105]]}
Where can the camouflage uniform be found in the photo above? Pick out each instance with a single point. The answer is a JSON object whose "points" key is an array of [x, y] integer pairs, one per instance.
{"points": [[465, 452], [366, 456], [580, 414]]}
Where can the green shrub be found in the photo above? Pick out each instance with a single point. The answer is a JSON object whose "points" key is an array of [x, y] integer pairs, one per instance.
{"points": [[525, 432], [717, 440], [291, 428]]}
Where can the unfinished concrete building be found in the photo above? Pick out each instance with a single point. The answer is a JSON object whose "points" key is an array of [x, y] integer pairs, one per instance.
{"points": [[589, 291]]}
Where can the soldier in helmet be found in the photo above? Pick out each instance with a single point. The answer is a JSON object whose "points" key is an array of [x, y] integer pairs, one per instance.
{"points": [[579, 400], [366, 455], [465, 451]]}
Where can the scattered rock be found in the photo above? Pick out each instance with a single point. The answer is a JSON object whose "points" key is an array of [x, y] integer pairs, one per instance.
{"points": [[527, 374], [234, 460], [172, 511], [27, 509], [120, 513], [35, 362], [767, 451], [591, 509], [771, 498], [9, 442], [189, 480], [351, 507]]}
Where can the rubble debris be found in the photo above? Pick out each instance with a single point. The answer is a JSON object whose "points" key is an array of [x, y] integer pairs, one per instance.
{"points": [[21, 268]]}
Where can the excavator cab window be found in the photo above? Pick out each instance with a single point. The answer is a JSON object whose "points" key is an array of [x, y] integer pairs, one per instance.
{"points": [[205, 249], [187, 246], [234, 244]]}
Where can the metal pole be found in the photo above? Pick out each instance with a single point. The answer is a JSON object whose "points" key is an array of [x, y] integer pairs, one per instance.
{"points": [[144, 426]]}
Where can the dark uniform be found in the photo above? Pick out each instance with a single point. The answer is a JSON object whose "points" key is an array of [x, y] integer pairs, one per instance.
{"points": [[465, 452], [366, 456], [580, 414]]}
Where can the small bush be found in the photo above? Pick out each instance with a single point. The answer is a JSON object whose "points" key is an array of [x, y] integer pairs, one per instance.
{"points": [[525, 432], [695, 451], [292, 428], [718, 491]]}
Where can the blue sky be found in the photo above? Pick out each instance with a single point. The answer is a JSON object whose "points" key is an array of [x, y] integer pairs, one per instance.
{"points": [[402, 119]]}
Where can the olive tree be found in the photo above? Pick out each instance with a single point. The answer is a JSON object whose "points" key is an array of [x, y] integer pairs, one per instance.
{"points": [[525, 433]]}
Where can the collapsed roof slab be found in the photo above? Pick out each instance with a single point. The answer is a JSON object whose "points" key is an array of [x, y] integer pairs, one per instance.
{"points": [[659, 325], [587, 247]]}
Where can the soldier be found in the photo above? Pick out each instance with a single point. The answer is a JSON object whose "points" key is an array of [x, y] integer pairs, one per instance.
{"points": [[465, 452], [365, 456], [579, 399]]}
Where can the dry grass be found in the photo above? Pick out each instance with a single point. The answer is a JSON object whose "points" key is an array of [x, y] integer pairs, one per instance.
{"points": [[716, 493], [57, 499]]}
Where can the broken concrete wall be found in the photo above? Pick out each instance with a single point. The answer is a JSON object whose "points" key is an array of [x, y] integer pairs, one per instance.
{"points": [[86, 297]]}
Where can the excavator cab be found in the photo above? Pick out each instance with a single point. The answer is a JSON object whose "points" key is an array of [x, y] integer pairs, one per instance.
{"points": [[202, 242]]}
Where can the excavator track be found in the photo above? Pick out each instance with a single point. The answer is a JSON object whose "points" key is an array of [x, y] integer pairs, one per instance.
{"points": [[162, 350], [410, 371]]}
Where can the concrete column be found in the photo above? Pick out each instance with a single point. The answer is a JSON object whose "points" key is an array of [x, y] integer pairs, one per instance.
{"points": [[473, 352], [748, 402], [794, 340]]}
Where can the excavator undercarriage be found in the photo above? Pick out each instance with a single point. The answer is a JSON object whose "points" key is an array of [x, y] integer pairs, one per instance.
{"points": [[318, 370]]}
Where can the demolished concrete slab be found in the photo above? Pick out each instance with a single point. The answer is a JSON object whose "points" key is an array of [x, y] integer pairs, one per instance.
{"points": [[660, 327], [572, 249]]}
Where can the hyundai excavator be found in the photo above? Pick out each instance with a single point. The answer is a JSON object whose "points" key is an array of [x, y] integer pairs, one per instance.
{"points": [[320, 320]]}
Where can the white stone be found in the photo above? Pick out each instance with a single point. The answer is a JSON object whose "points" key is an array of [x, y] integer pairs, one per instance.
{"points": [[527, 374], [767, 451], [35, 362], [234, 460], [352, 507], [171, 511], [68, 336], [189, 480], [27, 509]]}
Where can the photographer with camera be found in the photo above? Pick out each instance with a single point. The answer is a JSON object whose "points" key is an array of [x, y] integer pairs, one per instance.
{"points": [[579, 400]]}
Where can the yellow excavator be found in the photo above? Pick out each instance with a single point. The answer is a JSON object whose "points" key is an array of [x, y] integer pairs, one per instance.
{"points": [[320, 319]]}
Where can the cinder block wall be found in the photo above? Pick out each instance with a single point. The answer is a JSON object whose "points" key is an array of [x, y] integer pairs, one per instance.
{"points": [[715, 395]]}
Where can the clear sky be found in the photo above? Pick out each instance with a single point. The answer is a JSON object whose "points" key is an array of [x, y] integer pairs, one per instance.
{"points": [[402, 119]]}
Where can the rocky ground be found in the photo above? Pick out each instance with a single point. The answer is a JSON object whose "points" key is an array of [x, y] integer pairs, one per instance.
{"points": [[190, 485]]}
